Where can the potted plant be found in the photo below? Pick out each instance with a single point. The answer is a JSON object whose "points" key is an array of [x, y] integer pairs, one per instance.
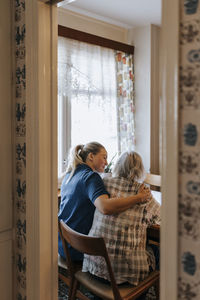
{"points": [[108, 168]]}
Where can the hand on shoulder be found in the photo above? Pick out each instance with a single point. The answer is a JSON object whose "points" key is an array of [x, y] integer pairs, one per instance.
{"points": [[145, 193]]}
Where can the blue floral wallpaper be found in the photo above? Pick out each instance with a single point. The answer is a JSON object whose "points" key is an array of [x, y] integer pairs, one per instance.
{"points": [[189, 154], [20, 151]]}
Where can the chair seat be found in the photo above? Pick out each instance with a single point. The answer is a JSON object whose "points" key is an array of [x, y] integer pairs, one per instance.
{"points": [[104, 290]]}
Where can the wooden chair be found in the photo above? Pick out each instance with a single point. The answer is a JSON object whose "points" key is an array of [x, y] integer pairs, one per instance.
{"points": [[153, 180], [66, 270], [96, 246]]}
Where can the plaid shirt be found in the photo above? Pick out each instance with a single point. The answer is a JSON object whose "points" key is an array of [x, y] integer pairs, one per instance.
{"points": [[125, 236]]}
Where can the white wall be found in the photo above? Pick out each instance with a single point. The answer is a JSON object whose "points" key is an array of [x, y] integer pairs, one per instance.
{"points": [[156, 157], [90, 25], [140, 37], [146, 42]]}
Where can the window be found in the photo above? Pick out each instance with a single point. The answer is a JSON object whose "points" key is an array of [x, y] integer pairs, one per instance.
{"points": [[95, 93], [87, 97]]}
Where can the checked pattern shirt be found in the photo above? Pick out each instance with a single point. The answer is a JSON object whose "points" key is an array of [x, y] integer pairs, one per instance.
{"points": [[125, 236]]}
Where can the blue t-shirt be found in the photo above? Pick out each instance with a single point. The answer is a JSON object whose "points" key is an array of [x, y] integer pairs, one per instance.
{"points": [[77, 202]]}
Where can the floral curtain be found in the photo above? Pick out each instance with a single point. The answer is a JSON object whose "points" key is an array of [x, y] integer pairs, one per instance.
{"points": [[125, 101]]}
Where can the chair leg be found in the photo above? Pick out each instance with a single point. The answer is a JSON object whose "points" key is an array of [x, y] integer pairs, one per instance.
{"points": [[70, 290], [157, 289], [72, 295]]}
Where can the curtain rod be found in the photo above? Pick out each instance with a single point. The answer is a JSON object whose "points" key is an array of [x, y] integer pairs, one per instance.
{"points": [[52, 1], [93, 39]]}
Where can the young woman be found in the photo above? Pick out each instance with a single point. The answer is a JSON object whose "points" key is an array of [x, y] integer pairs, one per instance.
{"points": [[83, 190], [125, 233]]}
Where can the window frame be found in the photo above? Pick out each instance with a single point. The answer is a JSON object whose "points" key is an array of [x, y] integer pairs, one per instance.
{"points": [[81, 36]]}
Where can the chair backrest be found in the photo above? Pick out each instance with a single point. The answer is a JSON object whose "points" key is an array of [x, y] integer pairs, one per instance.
{"points": [[90, 245], [153, 180], [70, 265]]}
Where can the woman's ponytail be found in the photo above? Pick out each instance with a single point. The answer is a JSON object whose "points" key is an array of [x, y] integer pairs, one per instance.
{"points": [[79, 156]]}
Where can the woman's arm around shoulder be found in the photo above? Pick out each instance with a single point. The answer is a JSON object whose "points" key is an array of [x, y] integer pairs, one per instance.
{"points": [[109, 206]]}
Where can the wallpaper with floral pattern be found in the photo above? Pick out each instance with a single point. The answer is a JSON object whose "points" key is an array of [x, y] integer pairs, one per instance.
{"points": [[189, 151], [20, 150]]}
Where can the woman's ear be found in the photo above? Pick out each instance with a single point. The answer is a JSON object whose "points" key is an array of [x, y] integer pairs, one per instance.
{"points": [[90, 156]]}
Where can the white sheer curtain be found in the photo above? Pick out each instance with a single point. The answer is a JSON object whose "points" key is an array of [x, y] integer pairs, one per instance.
{"points": [[86, 97]]}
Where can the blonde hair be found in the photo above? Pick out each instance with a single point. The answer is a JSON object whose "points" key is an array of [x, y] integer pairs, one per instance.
{"points": [[79, 155], [129, 165]]}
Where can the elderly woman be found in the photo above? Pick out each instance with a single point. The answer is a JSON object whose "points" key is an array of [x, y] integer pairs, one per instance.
{"points": [[125, 233]]}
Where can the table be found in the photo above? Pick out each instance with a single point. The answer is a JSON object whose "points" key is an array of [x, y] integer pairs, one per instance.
{"points": [[153, 232]]}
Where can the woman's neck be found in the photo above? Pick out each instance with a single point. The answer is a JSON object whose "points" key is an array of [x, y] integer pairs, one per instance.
{"points": [[89, 164]]}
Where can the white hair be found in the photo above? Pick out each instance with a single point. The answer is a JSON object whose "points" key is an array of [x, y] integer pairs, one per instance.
{"points": [[129, 165]]}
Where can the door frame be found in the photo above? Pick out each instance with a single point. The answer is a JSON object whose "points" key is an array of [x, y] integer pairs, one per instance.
{"points": [[41, 146], [169, 89], [41, 24]]}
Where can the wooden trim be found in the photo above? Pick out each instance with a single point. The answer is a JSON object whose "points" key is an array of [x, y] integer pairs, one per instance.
{"points": [[170, 137], [54, 154], [93, 39], [41, 141], [52, 2]]}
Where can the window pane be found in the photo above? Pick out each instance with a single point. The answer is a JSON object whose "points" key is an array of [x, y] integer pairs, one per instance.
{"points": [[94, 121], [87, 86]]}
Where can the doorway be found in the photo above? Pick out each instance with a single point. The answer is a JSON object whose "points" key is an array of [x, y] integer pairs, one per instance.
{"points": [[43, 167]]}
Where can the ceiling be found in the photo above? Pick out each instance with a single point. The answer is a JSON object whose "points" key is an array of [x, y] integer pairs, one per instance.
{"points": [[124, 13]]}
